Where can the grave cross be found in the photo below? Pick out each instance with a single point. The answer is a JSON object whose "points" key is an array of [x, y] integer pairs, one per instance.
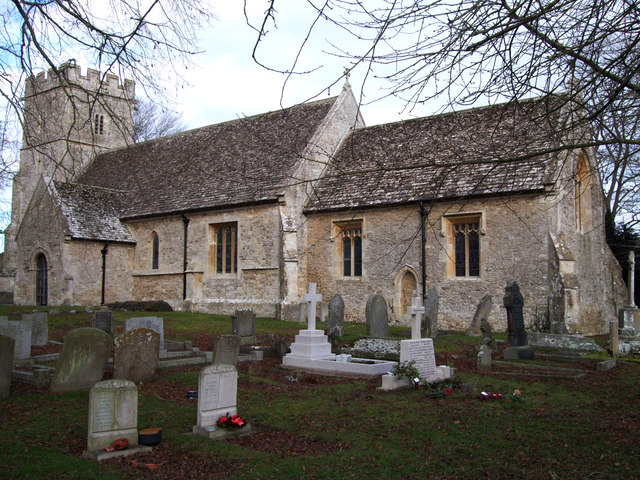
{"points": [[312, 297], [416, 310]]}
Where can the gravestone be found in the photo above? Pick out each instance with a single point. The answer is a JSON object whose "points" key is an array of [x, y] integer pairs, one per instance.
{"points": [[21, 334], [487, 335], [39, 327], [482, 313], [7, 345], [113, 414], [421, 352], [430, 319], [243, 324], [377, 316], [336, 319], [135, 355], [103, 320], [484, 358], [217, 396], [82, 361], [154, 323], [517, 343], [226, 350]]}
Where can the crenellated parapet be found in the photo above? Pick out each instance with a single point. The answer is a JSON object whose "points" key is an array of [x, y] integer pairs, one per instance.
{"points": [[71, 74]]}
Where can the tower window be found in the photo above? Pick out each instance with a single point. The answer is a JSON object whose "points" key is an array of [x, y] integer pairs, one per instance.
{"points": [[98, 124]]}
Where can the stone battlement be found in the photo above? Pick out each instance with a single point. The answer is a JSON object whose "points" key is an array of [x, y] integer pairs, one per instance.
{"points": [[72, 74]]}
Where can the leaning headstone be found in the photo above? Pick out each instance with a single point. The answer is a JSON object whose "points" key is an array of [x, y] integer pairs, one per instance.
{"points": [[226, 350], [613, 339], [82, 361], [517, 343], [217, 396], [39, 327], [21, 334], [243, 324], [377, 316], [6, 364], [430, 319], [135, 355], [154, 323], [336, 319], [482, 313], [103, 320], [113, 414]]}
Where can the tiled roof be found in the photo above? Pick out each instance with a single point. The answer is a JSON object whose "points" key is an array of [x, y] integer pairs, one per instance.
{"points": [[482, 151], [91, 213], [243, 161]]}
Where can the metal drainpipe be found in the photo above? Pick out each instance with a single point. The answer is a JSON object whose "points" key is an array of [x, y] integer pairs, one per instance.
{"points": [[423, 245], [104, 269], [185, 222]]}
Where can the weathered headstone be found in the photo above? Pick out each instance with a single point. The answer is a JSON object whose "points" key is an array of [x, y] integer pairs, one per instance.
{"points": [[217, 396], [103, 320], [517, 344], [243, 324], [484, 358], [430, 319], [613, 339], [377, 316], [39, 327], [487, 335], [135, 355], [113, 414], [6, 364], [154, 323], [21, 334], [226, 350], [482, 313], [336, 319], [423, 355], [82, 361]]}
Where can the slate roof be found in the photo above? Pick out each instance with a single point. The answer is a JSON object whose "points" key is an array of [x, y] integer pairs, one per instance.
{"points": [[244, 161], [91, 213], [469, 153]]}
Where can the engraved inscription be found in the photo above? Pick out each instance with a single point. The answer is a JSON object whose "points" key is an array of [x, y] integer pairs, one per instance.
{"points": [[104, 412], [421, 352], [210, 392]]}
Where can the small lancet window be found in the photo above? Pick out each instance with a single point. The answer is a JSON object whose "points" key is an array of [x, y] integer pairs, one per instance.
{"points": [[155, 252], [98, 124]]}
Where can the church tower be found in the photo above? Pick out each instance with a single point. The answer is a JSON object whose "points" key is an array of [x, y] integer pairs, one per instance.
{"points": [[68, 119]]}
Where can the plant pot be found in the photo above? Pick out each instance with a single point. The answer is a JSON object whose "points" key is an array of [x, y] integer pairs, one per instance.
{"points": [[150, 436]]}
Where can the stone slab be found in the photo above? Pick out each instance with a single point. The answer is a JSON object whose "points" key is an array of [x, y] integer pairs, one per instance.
{"points": [[101, 455], [358, 367], [39, 327], [6, 364], [523, 352], [561, 341]]}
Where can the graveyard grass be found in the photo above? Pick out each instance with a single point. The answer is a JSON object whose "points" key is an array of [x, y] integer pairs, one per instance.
{"points": [[313, 427]]}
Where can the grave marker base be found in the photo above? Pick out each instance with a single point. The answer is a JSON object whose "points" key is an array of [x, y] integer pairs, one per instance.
{"points": [[100, 455], [217, 433]]}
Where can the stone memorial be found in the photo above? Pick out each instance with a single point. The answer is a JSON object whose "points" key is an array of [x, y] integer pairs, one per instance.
{"points": [[430, 319], [39, 327], [226, 349], [113, 414], [154, 323], [484, 358], [82, 361], [217, 396], [482, 313], [419, 350], [7, 345], [243, 324], [517, 343], [135, 355], [377, 316], [487, 335], [21, 334], [103, 320], [336, 320]]}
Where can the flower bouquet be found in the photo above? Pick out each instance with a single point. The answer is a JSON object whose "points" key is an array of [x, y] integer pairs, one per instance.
{"points": [[233, 421]]}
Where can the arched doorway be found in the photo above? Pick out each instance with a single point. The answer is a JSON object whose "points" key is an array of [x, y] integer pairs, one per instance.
{"points": [[41, 280], [408, 287]]}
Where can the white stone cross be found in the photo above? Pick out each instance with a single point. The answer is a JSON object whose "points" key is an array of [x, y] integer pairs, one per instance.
{"points": [[416, 310], [312, 297]]}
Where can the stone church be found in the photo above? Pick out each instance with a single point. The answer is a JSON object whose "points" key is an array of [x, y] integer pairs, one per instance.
{"points": [[244, 214]]}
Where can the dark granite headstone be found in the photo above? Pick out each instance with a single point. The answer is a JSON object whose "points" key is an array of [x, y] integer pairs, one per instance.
{"points": [[482, 313], [243, 323], [336, 319], [103, 320], [226, 349], [135, 355], [82, 361], [517, 343], [430, 319], [39, 327], [6, 364], [377, 316]]}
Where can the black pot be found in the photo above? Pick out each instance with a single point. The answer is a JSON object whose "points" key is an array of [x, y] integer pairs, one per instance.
{"points": [[150, 436]]}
